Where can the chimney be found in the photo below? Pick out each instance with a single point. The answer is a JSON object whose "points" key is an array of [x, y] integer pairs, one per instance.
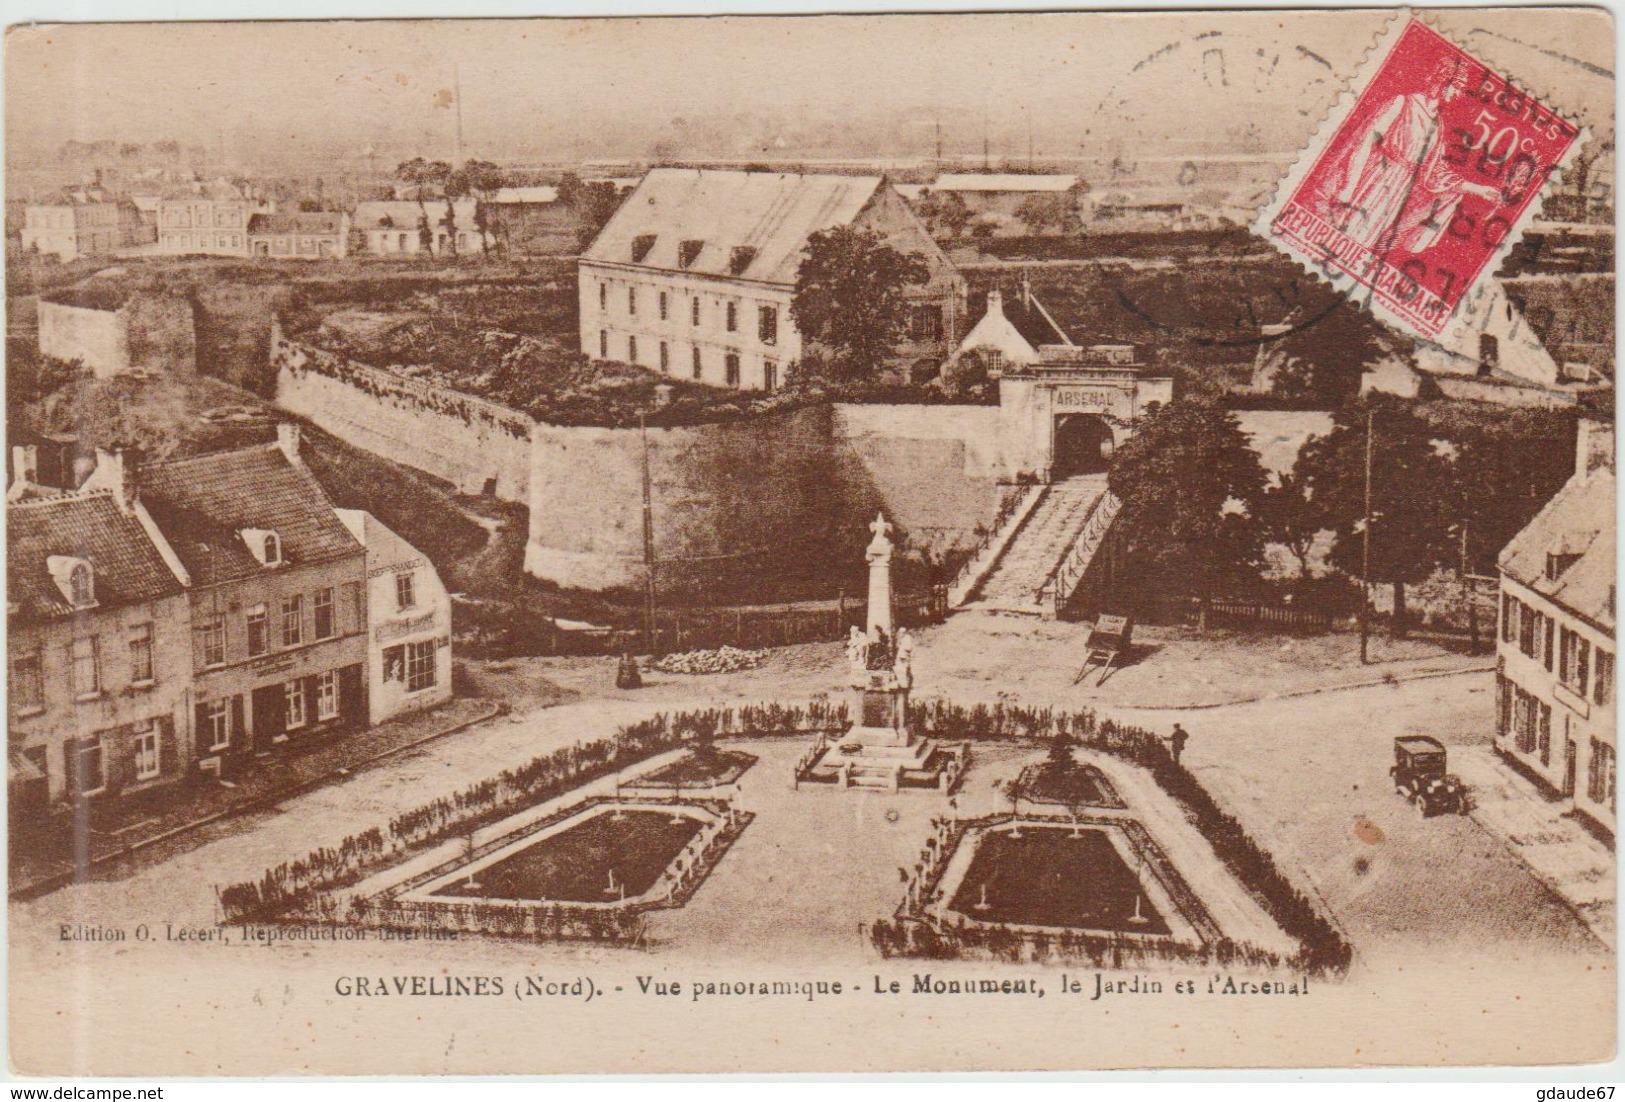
{"points": [[995, 303], [1594, 445], [287, 438], [24, 463], [116, 471]]}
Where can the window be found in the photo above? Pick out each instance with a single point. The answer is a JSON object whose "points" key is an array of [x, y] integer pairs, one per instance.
{"points": [[216, 724], [83, 585], [406, 595], [1558, 563], [1543, 733], [730, 364], [631, 350], [146, 751], [603, 344], [420, 665], [767, 324], [273, 549], [293, 620], [27, 681], [697, 371], [211, 641], [293, 696], [395, 663], [1574, 660], [632, 301], [665, 357], [733, 317], [694, 310], [663, 306], [89, 773], [325, 626], [87, 674], [1525, 721], [1509, 618], [1529, 631], [1503, 706], [400, 244], [925, 323], [327, 695], [770, 375], [141, 654], [1603, 690], [1600, 774], [1550, 655], [259, 637]]}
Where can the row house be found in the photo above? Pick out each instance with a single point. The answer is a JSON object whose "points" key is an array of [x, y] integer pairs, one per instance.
{"points": [[404, 227], [318, 235], [278, 600], [84, 222], [99, 649], [1555, 655], [211, 227], [210, 612], [694, 274]]}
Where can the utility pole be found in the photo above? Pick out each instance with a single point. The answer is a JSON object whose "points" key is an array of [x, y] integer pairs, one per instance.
{"points": [[457, 96], [648, 538], [1467, 592], [1365, 550]]}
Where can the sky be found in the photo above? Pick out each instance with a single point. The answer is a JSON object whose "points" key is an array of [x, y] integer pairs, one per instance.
{"points": [[1081, 83]]}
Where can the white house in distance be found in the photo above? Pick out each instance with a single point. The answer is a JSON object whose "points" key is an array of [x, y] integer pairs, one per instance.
{"points": [[393, 227], [409, 622], [996, 196], [1555, 712], [694, 274]]}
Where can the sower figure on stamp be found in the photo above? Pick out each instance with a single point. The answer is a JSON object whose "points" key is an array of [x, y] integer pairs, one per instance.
{"points": [[1396, 190], [1177, 741]]}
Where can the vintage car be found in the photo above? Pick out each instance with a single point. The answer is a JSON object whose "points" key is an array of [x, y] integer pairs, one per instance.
{"points": [[1419, 775]]}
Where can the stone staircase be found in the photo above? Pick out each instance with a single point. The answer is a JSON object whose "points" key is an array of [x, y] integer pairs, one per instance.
{"points": [[1020, 581]]}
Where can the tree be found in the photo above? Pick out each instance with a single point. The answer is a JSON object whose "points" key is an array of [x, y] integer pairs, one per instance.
{"points": [[849, 294], [1054, 212], [1288, 517], [594, 204], [943, 212], [482, 180], [1190, 482], [423, 175], [1410, 483], [1323, 360]]}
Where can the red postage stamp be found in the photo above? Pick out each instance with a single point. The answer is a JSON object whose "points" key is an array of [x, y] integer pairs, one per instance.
{"points": [[1420, 181]]}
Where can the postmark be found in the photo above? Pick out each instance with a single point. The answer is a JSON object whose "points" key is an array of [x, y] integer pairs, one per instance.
{"points": [[1420, 181]]}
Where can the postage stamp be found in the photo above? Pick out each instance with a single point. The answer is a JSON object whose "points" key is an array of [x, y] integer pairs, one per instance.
{"points": [[1420, 181]]}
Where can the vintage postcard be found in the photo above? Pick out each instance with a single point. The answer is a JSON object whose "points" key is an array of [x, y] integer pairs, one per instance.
{"points": [[1047, 541]]}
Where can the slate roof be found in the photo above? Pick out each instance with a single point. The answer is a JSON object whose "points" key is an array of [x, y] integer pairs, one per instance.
{"points": [[1031, 323], [1579, 520], [127, 565], [204, 503], [312, 223], [772, 213]]}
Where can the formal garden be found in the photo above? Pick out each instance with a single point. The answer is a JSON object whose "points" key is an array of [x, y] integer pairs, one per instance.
{"points": [[1111, 851]]}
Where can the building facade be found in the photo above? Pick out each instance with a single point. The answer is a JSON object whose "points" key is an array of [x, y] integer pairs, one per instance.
{"points": [[1555, 654], [277, 601], [403, 227], [99, 653], [114, 331], [408, 622], [211, 227], [299, 236], [84, 223], [694, 275]]}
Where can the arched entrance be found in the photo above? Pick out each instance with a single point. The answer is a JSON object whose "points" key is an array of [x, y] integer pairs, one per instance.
{"points": [[1083, 445]]}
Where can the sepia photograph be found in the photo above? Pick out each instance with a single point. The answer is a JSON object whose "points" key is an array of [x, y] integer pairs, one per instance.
{"points": [[841, 543]]}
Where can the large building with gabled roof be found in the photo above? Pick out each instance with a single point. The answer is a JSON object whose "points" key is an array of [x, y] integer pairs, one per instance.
{"points": [[693, 276]]}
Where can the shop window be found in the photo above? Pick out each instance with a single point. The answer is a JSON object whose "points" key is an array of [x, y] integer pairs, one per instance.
{"points": [[327, 695], [146, 751], [293, 697], [420, 666]]}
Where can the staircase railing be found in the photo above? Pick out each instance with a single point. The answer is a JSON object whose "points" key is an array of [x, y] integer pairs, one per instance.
{"points": [[1059, 587], [1012, 515]]}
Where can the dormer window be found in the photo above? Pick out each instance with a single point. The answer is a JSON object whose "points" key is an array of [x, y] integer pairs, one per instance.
{"points": [[75, 578], [1558, 563], [739, 258], [264, 545], [641, 244], [688, 252]]}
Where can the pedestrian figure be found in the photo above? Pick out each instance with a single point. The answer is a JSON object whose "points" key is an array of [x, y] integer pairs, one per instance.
{"points": [[1177, 741]]}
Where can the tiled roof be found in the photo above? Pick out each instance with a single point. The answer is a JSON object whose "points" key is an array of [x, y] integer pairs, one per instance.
{"points": [[751, 225], [317, 222], [1579, 520], [127, 566], [202, 505]]}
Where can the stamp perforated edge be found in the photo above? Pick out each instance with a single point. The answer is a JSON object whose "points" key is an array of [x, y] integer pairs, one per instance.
{"points": [[1376, 56]]}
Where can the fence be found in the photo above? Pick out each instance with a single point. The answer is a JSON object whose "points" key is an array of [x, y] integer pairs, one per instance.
{"points": [[1230, 612]]}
